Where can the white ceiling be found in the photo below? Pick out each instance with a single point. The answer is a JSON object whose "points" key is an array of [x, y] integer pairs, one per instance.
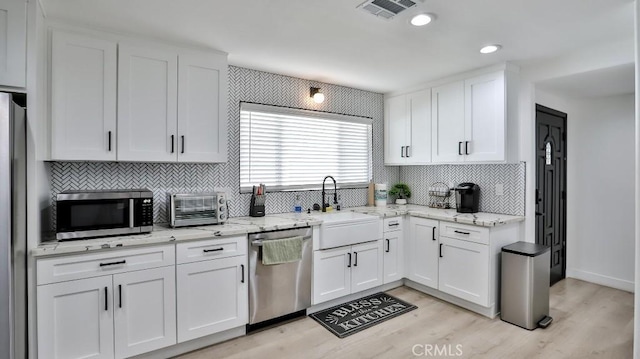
{"points": [[332, 41], [612, 81]]}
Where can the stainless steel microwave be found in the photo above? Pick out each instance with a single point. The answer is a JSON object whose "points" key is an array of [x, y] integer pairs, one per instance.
{"points": [[87, 214]]}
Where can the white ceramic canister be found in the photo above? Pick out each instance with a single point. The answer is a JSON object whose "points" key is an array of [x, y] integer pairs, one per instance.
{"points": [[381, 194]]}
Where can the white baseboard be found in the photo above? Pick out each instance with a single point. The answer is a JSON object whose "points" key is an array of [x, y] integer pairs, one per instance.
{"points": [[596, 278], [490, 312]]}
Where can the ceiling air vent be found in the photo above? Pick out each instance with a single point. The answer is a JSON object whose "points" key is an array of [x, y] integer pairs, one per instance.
{"points": [[387, 8]]}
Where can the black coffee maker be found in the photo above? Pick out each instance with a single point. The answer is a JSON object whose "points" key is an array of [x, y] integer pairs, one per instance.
{"points": [[467, 197]]}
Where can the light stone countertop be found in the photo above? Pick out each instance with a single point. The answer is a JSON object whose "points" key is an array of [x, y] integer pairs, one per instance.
{"points": [[479, 219], [246, 225]]}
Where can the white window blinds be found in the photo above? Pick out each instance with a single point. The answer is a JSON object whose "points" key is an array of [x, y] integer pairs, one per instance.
{"points": [[291, 149]]}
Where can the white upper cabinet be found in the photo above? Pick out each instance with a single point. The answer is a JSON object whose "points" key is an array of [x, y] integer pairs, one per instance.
{"points": [[202, 108], [484, 123], [147, 104], [447, 124], [83, 97], [408, 129], [469, 120], [129, 100], [13, 43]]}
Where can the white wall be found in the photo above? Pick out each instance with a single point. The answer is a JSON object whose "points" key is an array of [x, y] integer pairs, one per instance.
{"points": [[600, 187]]}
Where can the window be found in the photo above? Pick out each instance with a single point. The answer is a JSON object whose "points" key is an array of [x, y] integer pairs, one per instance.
{"points": [[291, 149]]}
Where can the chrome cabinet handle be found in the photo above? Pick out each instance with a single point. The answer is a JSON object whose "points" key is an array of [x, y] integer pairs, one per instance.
{"points": [[402, 151]]}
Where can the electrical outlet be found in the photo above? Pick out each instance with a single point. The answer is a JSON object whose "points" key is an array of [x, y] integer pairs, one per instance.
{"points": [[499, 189]]}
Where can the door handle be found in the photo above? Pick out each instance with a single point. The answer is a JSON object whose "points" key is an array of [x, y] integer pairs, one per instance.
{"points": [[355, 262], [440, 250], [213, 250], [460, 148], [106, 300], [388, 246], [402, 151], [406, 151], [242, 269], [119, 295], [349, 265], [433, 234], [109, 141], [466, 147], [172, 143], [539, 214], [182, 150]]}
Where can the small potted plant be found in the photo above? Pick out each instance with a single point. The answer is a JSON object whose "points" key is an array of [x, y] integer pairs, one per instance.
{"points": [[402, 191]]}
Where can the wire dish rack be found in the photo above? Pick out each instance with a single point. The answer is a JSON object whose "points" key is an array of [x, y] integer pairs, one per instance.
{"points": [[439, 194]]}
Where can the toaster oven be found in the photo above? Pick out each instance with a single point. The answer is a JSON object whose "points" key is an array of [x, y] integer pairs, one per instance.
{"points": [[197, 209]]}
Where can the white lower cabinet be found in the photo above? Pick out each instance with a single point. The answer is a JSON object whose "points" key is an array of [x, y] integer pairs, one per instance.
{"points": [[464, 270], [212, 297], [422, 252], [115, 311], [144, 311], [345, 270], [393, 242], [75, 319]]}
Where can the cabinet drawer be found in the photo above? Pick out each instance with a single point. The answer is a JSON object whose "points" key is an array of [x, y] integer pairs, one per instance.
{"points": [[211, 249], [465, 232], [392, 224], [59, 269]]}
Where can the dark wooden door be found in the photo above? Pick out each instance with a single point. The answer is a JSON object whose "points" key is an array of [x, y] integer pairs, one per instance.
{"points": [[551, 180]]}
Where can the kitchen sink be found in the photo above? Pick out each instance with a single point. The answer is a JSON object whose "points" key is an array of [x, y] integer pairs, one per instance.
{"points": [[347, 228]]}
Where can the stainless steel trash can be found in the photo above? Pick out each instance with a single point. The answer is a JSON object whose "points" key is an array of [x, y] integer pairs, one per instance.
{"points": [[524, 295]]}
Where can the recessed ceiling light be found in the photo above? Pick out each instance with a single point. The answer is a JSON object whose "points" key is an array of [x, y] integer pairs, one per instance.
{"points": [[490, 49], [421, 19]]}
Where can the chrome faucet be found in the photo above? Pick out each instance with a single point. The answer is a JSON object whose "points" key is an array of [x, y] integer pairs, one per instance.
{"points": [[335, 193]]}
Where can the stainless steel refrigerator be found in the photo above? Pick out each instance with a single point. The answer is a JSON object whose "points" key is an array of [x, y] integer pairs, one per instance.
{"points": [[12, 227]]}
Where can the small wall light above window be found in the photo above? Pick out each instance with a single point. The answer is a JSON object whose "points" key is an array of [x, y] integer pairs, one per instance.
{"points": [[317, 96]]}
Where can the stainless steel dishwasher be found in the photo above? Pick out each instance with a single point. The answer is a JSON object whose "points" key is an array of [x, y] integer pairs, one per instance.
{"points": [[281, 289]]}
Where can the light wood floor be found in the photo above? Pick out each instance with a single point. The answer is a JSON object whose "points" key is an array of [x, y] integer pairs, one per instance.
{"points": [[589, 321]]}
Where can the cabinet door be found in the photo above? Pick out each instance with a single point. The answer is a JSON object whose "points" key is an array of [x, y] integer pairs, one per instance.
{"points": [[366, 269], [83, 98], [13, 43], [212, 297], [419, 151], [447, 123], [147, 104], [145, 310], [396, 122], [423, 251], [485, 118], [75, 319], [202, 108], [393, 256], [331, 274], [464, 270]]}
